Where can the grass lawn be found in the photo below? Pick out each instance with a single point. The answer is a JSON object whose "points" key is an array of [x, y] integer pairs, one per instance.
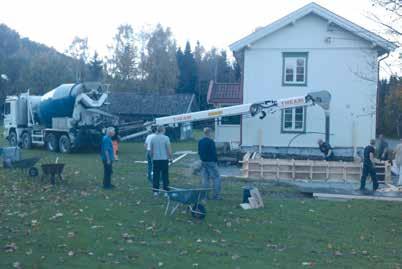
{"points": [[77, 224]]}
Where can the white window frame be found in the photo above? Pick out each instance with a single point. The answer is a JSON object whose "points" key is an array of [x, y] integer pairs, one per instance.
{"points": [[293, 128], [290, 59]]}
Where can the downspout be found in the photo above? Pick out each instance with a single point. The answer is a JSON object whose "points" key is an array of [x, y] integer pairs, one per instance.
{"points": [[240, 58], [378, 90]]}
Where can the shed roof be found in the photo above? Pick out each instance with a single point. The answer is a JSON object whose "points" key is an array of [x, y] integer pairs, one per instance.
{"points": [[225, 93], [382, 44], [132, 103]]}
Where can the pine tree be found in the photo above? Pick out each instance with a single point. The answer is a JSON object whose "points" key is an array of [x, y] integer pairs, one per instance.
{"points": [[187, 70], [96, 68]]}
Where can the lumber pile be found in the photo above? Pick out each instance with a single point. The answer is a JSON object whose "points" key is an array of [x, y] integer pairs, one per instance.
{"points": [[254, 166]]}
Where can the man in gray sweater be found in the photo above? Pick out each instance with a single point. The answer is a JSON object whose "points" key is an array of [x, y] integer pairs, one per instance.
{"points": [[161, 153]]}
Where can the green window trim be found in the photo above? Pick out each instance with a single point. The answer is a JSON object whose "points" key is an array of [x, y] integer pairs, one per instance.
{"points": [[285, 131], [294, 55]]}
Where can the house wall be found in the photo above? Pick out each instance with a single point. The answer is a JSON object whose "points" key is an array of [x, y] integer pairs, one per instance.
{"points": [[336, 66], [227, 133]]}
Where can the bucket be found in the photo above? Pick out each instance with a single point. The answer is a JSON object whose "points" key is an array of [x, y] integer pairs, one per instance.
{"points": [[246, 193]]}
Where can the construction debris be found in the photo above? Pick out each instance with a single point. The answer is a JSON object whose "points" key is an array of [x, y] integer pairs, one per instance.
{"points": [[390, 188], [254, 201], [183, 154]]}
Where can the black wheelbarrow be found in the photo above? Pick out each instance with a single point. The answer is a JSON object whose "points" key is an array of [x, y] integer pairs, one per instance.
{"points": [[24, 165], [192, 198]]}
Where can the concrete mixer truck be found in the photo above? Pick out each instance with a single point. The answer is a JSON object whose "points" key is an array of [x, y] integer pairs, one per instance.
{"points": [[66, 118]]}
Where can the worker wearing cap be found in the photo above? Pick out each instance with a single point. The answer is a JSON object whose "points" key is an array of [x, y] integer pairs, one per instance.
{"points": [[209, 164], [326, 149], [147, 146], [369, 166], [107, 156]]}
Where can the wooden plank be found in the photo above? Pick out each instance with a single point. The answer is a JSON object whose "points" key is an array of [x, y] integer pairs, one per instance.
{"points": [[293, 170], [356, 197], [252, 202], [257, 197], [277, 169]]}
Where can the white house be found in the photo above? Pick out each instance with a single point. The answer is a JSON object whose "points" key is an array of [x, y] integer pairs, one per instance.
{"points": [[311, 49]]}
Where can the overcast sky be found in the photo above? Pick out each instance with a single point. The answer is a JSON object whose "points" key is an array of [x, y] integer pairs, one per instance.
{"points": [[214, 22]]}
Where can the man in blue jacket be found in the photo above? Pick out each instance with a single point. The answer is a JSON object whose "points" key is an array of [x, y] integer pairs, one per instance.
{"points": [[209, 165], [107, 156]]}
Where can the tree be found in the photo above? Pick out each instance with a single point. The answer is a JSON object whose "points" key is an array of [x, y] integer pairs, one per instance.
{"points": [[393, 108], [30, 65], [96, 68], [78, 50], [391, 22], [199, 52], [160, 65], [388, 16], [122, 65], [187, 70]]}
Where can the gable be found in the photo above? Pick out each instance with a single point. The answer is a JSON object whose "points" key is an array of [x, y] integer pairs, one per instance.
{"points": [[382, 45], [311, 32]]}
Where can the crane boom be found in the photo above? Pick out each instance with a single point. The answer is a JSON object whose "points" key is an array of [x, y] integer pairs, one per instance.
{"points": [[321, 98]]}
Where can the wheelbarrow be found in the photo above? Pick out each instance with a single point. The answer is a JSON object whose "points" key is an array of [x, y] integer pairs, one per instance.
{"points": [[192, 198], [24, 164]]}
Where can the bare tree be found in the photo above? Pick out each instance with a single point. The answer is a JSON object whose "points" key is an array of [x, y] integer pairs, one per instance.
{"points": [[392, 21], [78, 50]]}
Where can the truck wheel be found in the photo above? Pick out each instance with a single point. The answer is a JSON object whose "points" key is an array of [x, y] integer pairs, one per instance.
{"points": [[64, 144], [26, 141], [51, 142], [13, 139]]}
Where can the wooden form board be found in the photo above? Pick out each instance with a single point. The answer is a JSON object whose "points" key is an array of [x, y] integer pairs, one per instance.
{"points": [[355, 197], [257, 167]]}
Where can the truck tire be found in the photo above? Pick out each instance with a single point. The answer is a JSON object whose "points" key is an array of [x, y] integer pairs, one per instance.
{"points": [[52, 143], [26, 141], [13, 139], [64, 144]]}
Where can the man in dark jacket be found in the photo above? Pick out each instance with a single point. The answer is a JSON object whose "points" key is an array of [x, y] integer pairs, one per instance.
{"points": [[369, 166], [326, 149], [209, 165]]}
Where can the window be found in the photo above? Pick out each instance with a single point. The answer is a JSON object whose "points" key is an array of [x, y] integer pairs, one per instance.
{"points": [[295, 68], [6, 108], [231, 120], [294, 119]]}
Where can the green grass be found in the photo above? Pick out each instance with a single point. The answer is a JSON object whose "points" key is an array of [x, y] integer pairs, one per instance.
{"points": [[126, 228]]}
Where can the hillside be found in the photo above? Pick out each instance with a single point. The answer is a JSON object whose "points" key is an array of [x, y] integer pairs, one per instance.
{"points": [[29, 64]]}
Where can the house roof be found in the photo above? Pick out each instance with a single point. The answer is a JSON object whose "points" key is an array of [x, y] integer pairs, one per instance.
{"points": [[314, 8], [224, 93], [132, 103]]}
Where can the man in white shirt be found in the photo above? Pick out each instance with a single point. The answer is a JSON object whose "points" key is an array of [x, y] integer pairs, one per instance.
{"points": [[147, 146]]}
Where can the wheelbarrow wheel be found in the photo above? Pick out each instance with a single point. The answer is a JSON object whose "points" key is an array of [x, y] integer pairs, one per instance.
{"points": [[198, 211], [33, 172]]}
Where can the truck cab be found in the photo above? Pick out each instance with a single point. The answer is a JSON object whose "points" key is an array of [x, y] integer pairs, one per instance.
{"points": [[10, 120]]}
